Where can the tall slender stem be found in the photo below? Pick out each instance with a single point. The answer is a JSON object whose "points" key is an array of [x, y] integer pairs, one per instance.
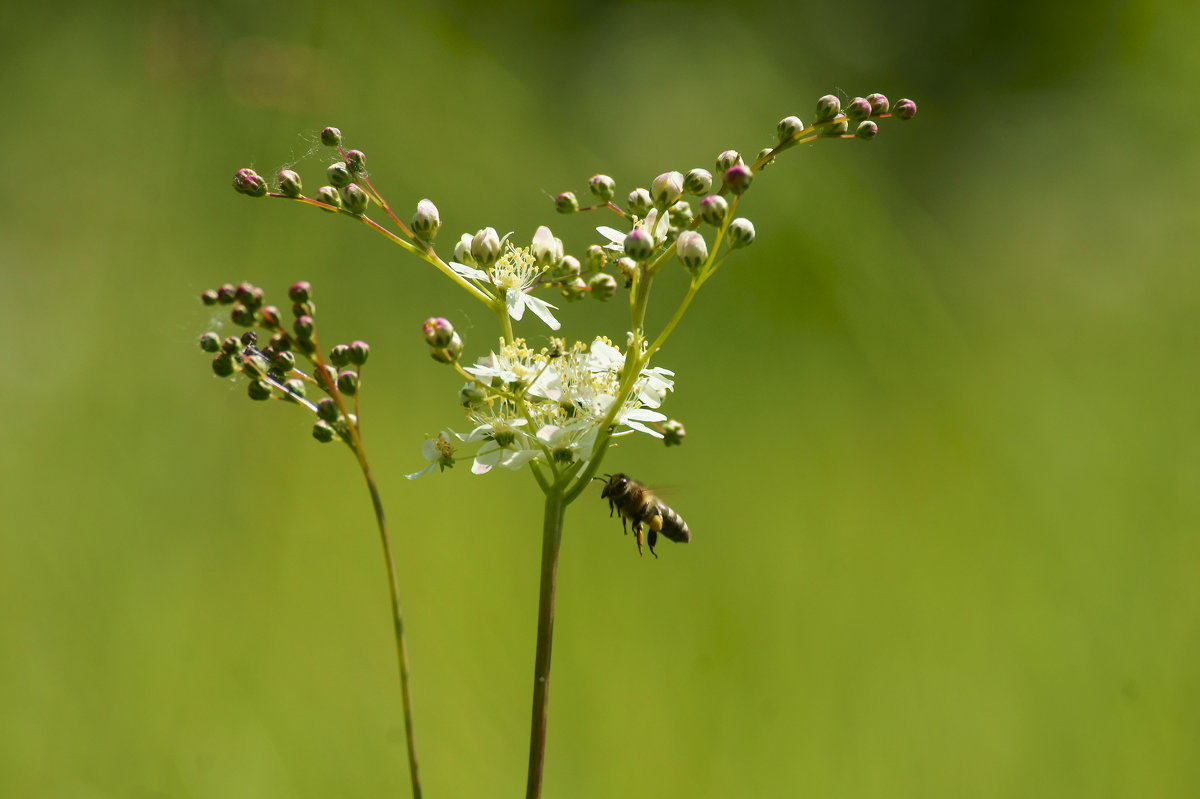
{"points": [[552, 526]]}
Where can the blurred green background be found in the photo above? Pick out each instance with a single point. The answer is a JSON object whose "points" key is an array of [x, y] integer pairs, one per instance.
{"points": [[944, 427]]}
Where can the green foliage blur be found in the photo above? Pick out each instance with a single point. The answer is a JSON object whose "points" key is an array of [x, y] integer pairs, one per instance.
{"points": [[944, 415]]}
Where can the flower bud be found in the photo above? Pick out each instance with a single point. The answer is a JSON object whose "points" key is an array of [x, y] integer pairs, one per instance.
{"points": [[462, 250], [574, 289], [289, 183], [471, 396], [280, 342], [639, 244], [680, 214], [248, 182], [639, 203], [230, 345], [426, 222], [839, 127], [691, 249], [764, 153], [259, 390], [329, 195], [331, 137], [603, 286], [327, 409], [570, 264], [485, 247], [284, 361], [595, 258], [249, 338], [741, 233], [222, 365], [788, 128], [359, 352], [866, 129], [738, 178], [356, 160], [241, 315], [225, 294], [270, 315], [905, 109], [438, 331], [879, 104], [603, 187], [673, 432], [566, 203], [323, 432], [547, 251], [210, 342], [728, 159], [339, 356], [449, 353], [339, 174], [666, 189], [303, 327], [828, 107], [355, 200], [347, 383], [858, 108], [209, 297], [713, 209], [249, 295], [295, 388], [300, 291], [697, 182]]}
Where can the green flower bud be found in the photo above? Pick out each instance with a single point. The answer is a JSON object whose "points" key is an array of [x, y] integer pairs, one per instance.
{"points": [[462, 250], [210, 342], [666, 189], [839, 127], [570, 264], [728, 159], [270, 315], [639, 203], [355, 200], [295, 388], [866, 129], [254, 365], [300, 291], [595, 258], [249, 338], [284, 361], [259, 390], [673, 432], [471, 396], [763, 153], [281, 343], [289, 183], [566, 203], [248, 295], [303, 327], [323, 432], [547, 251], [438, 332], [426, 222], [485, 247], [449, 353], [858, 108], [222, 365], [574, 289], [738, 178], [331, 137], [879, 104], [788, 129], [347, 383], [339, 356], [248, 182], [691, 249], [697, 182], [327, 409], [904, 109], [356, 160], [602, 187], [603, 286], [241, 315], [741, 233], [329, 195], [828, 107], [339, 174], [231, 345], [713, 209], [359, 352], [639, 244], [680, 214], [209, 297]]}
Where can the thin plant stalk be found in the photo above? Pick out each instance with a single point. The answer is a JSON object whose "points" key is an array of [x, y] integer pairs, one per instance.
{"points": [[552, 527]]}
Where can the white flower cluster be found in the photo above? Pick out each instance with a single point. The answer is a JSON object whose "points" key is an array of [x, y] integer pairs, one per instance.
{"points": [[549, 406]]}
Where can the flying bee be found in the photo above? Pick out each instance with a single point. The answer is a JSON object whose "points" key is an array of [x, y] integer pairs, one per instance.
{"points": [[637, 504]]}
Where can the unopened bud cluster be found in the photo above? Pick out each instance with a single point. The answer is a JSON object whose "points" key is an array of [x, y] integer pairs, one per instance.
{"points": [[271, 368]]}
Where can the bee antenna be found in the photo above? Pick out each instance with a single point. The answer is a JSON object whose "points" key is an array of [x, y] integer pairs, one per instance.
{"points": [[602, 479]]}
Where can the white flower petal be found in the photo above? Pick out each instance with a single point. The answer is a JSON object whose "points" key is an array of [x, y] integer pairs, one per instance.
{"points": [[469, 272], [541, 309], [515, 300]]}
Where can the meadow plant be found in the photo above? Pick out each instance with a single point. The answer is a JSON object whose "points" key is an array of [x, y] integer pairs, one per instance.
{"points": [[553, 410]]}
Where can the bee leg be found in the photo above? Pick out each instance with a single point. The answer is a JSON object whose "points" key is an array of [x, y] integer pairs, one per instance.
{"points": [[637, 532], [652, 539]]}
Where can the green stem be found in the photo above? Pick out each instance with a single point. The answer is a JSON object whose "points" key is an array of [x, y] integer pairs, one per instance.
{"points": [[552, 527]]}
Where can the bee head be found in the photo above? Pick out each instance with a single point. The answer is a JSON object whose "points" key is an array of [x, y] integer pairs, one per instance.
{"points": [[614, 485]]}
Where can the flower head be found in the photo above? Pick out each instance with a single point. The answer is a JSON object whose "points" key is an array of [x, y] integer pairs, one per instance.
{"points": [[516, 273]]}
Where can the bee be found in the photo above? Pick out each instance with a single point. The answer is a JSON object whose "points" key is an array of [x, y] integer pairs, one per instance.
{"points": [[637, 503]]}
